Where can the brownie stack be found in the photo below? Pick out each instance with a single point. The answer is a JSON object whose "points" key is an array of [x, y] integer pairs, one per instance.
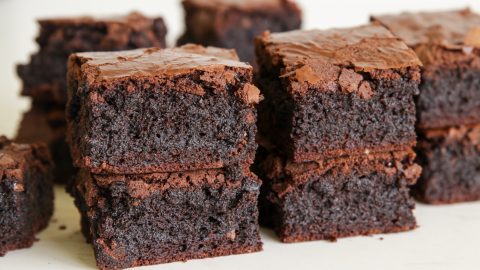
{"points": [[44, 77], [448, 44], [336, 129], [163, 139]]}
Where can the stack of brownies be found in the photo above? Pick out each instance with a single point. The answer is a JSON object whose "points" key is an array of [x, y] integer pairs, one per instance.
{"points": [[336, 128], [44, 78], [164, 139], [448, 44]]}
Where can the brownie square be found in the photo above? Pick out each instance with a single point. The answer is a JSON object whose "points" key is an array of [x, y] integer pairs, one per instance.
{"points": [[448, 44], [26, 193], [161, 110], [450, 159], [44, 76], [235, 24], [42, 125], [337, 92], [143, 219], [339, 197]]}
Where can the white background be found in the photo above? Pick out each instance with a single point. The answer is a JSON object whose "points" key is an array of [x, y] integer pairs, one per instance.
{"points": [[448, 236]]}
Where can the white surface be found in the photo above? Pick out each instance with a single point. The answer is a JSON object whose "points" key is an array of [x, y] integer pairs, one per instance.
{"points": [[448, 236]]}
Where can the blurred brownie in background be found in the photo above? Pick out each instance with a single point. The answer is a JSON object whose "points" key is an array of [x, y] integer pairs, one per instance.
{"points": [[448, 44], [26, 193], [235, 24]]}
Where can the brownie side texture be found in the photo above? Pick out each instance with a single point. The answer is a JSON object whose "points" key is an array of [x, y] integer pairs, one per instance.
{"points": [[156, 110], [26, 193], [339, 197], [44, 76], [39, 125], [147, 219], [450, 159], [230, 24], [337, 92], [448, 45]]}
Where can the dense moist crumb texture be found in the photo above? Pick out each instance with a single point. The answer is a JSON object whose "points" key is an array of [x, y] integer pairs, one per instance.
{"points": [[451, 165], [337, 92], [339, 197], [235, 24], [448, 45], [44, 77], [147, 219], [26, 193], [157, 110]]}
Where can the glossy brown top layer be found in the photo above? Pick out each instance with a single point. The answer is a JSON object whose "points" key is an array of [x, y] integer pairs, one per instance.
{"points": [[364, 48], [451, 29], [130, 19], [240, 4], [158, 62]]}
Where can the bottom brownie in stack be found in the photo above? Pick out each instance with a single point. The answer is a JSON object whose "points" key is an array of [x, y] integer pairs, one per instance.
{"points": [[146, 219], [450, 159], [339, 197]]}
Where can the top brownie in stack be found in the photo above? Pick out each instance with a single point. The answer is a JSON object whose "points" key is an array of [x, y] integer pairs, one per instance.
{"points": [[160, 110], [235, 24], [44, 77], [337, 92], [448, 44]]}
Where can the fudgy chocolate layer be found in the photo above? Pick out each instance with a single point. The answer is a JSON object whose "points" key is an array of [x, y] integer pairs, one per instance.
{"points": [[339, 197], [26, 193], [157, 218], [451, 165]]}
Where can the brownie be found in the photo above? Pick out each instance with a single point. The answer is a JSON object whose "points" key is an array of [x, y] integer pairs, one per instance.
{"points": [[234, 24], [336, 92], [338, 197], [448, 44], [44, 77], [26, 193], [41, 125], [160, 110], [143, 219], [450, 158]]}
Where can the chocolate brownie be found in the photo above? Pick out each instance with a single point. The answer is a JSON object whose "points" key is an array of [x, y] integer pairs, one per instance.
{"points": [[144, 219], [450, 158], [234, 24], [161, 110], [338, 197], [44, 77], [48, 126], [26, 193], [448, 44], [337, 92]]}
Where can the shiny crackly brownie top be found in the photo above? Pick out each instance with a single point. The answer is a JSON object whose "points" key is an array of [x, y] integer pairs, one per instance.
{"points": [[451, 29], [240, 4], [133, 19], [364, 48]]}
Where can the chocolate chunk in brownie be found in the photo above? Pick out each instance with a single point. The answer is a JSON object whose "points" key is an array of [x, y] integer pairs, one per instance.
{"points": [[450, 159], [144, 219], [234, 24], [41, 125], [160, 110], [337, 92], [339, 197], [44, 77], [448, 44], [26, 193]]}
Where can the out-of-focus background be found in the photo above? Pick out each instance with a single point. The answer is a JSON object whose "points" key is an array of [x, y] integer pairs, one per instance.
{"points": [[18, 29]]}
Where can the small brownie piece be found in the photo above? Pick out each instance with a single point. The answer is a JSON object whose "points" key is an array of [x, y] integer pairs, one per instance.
{"points": [[450, 158], [448, 44], [44, 77], [26, 193], [40, 125], [340, 197], [337, 92], [235, 24], [161, 110], [144, 219]]}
